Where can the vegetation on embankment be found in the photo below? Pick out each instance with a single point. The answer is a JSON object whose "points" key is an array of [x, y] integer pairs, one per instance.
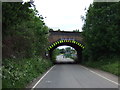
{"points": [[106, 64], [24, 33], [25, 38], [101, 36], [18, 73]]}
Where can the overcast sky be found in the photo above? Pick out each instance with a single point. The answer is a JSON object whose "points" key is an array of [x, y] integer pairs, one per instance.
{"points": [[63, 14]]}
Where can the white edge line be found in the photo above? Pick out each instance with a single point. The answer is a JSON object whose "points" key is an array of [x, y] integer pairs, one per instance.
{"points": [[100, 75], [42, 77]]}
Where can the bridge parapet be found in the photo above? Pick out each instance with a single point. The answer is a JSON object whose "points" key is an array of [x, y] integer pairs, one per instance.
{"points": [[64, 35]]}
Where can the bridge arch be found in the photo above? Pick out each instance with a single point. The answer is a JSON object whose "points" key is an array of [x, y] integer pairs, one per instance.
{"points": [[77, 45]]}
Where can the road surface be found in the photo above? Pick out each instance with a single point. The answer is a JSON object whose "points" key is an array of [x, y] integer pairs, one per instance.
{"points": [[62, 59], [73, 76]]}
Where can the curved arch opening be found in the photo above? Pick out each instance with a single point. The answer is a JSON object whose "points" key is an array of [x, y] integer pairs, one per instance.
{"points": [[72, 43], [61, 42]]}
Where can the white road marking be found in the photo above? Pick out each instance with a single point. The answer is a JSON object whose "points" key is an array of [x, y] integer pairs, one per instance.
{"points": [[100, 75], [42, 77]]}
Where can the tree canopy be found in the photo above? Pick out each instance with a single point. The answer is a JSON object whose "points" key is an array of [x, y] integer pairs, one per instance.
{"points": [[24, 31], [101, 30]]}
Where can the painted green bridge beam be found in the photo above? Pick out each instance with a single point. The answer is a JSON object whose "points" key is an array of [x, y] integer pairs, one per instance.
{"points": [[63, 41]]}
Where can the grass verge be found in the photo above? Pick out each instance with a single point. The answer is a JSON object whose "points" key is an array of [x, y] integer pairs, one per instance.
{"points": [[18, 73], [107, 64]]}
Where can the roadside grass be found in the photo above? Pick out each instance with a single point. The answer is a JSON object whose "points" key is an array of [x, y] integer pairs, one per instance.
{"points": [[107, 64], [18, 73]]}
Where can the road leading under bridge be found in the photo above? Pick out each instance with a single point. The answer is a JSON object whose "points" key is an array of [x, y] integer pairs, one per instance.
{"points": [[76, 76]]}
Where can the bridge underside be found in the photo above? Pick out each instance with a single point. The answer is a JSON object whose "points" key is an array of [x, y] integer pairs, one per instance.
{"points": [[76, 45]]}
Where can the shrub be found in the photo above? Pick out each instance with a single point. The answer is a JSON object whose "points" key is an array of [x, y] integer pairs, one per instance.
{"points": [[18, 73]]}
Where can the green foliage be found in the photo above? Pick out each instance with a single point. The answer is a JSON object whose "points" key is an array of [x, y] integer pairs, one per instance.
{"points": [[68, 52], [24, 31], [13, 14], [77, 30], [101, 36], [101, 30], [51, 29], [25, 38], [18, 73], [58, 30], [55, 53], [107, 64], [62, 51]]}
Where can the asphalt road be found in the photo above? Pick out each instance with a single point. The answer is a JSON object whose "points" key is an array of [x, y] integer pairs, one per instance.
{"points": [[73, 76], [61, 58]]}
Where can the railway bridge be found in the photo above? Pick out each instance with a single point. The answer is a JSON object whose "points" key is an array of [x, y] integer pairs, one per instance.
{"points": [[60, 38]]}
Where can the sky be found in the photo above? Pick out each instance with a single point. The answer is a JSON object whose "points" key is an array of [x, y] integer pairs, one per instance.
{"points": [[63, 14]]}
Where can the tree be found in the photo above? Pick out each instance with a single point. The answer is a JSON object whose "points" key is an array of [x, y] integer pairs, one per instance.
{"points": [[101, 30], [24, 31], [77, 30]]}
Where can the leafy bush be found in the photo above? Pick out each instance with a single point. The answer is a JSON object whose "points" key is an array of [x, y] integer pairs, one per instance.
{"points": [[18, 73], [106, 64], [101, 36], [55, 53], [24, 31], [25, 36]]}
